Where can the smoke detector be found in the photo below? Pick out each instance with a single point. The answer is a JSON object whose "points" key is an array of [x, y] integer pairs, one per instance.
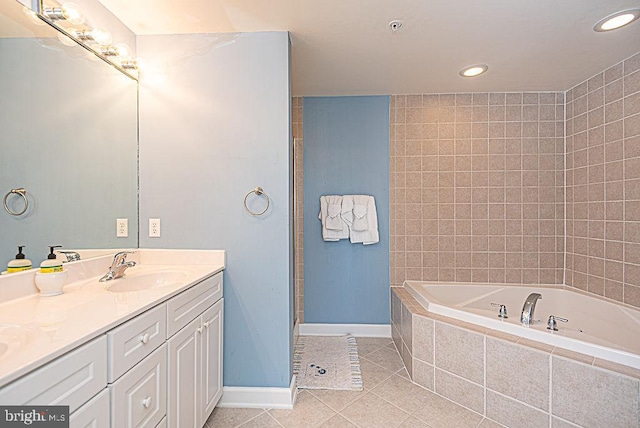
{"points": [[395, 25]]}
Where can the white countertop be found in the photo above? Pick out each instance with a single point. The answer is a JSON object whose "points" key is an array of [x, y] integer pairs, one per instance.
{"points": [[39, 329]]}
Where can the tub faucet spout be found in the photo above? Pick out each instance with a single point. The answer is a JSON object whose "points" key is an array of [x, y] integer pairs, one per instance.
{"points": [[529, 307]]}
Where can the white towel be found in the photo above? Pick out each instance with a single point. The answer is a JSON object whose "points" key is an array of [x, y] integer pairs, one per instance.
{"points": [[363, 222], [333, 220], [330, 231]]}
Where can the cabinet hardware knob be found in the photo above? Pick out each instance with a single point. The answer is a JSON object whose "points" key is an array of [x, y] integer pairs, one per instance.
{"points": [[199, 330], [206, 324], [146, 402], [145, 338]]}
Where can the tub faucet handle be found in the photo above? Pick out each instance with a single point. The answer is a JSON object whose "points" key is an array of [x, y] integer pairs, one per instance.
{"points": [[502, 312], [552, 322]]}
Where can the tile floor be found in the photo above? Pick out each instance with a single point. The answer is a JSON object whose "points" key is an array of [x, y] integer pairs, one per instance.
{"points": [[389, 399]]}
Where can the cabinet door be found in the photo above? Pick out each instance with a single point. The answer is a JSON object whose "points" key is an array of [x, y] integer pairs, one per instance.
{"points": [[211, 359], [139, 399], [94, 414], [184, 348]]}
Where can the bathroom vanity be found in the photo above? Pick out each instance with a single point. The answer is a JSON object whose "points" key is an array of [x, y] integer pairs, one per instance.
{"points": [[141, 351]]}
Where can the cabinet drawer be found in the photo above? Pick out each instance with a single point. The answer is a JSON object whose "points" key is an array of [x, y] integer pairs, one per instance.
{"points": [[139, 398], [70, 380], [186, 306], [94, 414], [132, 341]]}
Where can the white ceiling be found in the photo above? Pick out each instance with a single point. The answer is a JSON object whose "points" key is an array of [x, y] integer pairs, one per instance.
{"points": [[345, 47]]}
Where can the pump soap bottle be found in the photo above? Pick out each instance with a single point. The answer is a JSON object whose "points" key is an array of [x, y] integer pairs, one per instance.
{"points": [[20, 263], [51, 277]]}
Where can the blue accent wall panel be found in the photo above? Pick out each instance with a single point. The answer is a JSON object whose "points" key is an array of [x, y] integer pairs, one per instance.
{"points": [[346, 151]]}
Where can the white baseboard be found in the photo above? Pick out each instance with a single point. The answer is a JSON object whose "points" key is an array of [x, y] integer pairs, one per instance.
{"points": [[361, 330], [259, 398]]}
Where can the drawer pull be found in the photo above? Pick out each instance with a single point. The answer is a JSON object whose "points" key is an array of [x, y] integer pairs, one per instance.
{"points": [[145, 338], [206, 324], [199, 329], [146, 402]]}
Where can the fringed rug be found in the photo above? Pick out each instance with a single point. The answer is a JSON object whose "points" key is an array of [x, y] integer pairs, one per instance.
{"points": [[327, 362]]}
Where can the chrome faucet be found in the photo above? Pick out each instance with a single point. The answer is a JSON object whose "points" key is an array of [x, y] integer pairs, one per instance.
{"points": [[118, 266], [529, 307], [71, 256]]}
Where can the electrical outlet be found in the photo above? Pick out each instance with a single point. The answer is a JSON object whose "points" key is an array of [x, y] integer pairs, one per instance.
{"points": [[154, 228], [122, 228]]}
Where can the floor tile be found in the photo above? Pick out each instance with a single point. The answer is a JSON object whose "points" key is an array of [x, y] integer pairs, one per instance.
{"points": [[228, 417], [387, 358], [488, 423], [308, 412], [372, 374], [366, 345], [337, 400], [372, 411], [403, 373], [402, 393], [442, 413], [265, 420], [338, 422], [414, 423]]}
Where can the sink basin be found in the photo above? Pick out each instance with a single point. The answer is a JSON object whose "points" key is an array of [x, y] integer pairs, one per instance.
{"points": [[13, 336], [145, 281]]}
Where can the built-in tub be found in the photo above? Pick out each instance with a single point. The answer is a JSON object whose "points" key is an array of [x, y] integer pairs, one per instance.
{"points": [[597, 326]]}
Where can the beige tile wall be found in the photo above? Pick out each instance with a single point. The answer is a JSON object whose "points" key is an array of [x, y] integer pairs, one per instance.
{"points": [[477, 187], [603, 183], [296, 124]]}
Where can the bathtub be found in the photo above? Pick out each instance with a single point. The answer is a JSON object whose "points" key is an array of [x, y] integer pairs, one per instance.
{"points": [[597, 327]]}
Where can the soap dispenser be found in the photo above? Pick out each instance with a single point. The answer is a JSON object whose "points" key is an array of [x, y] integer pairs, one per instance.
{"points": [[51, 264], [20, 263], [51, 277]]}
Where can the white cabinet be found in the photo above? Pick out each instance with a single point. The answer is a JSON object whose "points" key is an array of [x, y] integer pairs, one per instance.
{"points": [[195, 365], [94, 414], [211, 359], [124, 378], [139, 398], [71, 379]]}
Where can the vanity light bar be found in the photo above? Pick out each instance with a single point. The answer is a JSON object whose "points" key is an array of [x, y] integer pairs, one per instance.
{"points": [[96, 40]]}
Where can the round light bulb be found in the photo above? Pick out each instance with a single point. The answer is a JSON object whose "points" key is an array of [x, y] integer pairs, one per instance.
{"points": [[71, 13], [123, 50], [101, 36]]}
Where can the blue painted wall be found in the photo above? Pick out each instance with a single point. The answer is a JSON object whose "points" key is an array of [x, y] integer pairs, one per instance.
{"points": [[214, 124], [346, 151]]}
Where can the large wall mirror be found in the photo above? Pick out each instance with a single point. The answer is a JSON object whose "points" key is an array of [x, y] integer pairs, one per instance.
{"points": [[69, 136]]}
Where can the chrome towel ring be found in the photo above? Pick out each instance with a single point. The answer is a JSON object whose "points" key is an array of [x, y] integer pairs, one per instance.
{"points": [[22, 192], [259, 192]]}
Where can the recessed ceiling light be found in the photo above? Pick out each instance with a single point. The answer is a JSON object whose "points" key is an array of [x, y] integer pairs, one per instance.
{"points": [[474, 70], [617, 20]]}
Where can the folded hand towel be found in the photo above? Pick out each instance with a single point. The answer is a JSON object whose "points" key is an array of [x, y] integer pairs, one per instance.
{"points": [[369, 235], [333, 220], [329, 234], [360, 219]]}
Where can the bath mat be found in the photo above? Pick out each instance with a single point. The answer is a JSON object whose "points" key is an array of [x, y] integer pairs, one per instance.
{"points": [[327, 362]]}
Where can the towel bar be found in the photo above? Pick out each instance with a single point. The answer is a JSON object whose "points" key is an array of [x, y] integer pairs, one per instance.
{"points": [[22, 192], [259, 192]]}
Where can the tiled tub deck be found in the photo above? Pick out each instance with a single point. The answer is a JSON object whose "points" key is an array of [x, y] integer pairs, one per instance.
{"points": [[514, 381]]}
